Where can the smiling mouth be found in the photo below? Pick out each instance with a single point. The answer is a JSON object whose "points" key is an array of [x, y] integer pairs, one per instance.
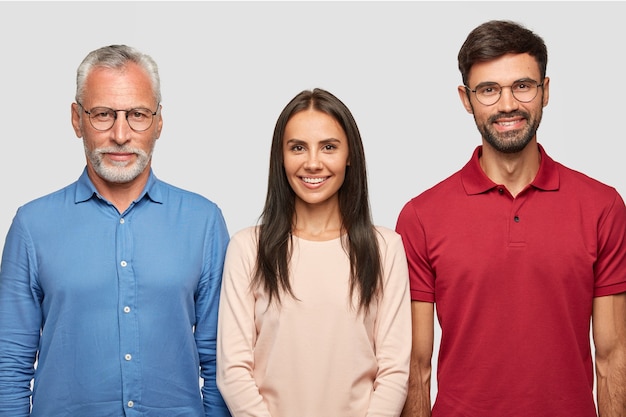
{"points": [[317, 180], [508, 123]]}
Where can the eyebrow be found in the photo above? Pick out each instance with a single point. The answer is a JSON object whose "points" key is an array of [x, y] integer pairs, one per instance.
{"points": [[521, 80], [296, 141]]}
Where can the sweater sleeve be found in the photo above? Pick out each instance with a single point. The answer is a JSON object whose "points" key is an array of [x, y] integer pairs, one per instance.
{"points": [[237, 331], [392, 331]]}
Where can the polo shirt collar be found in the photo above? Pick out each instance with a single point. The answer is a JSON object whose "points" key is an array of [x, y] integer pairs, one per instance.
{"points": [[475, 181], [85, 190]]}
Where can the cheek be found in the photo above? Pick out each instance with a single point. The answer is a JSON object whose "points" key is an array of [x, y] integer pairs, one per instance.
{"points": [[481, 117], [290, 164], [88, 142]]}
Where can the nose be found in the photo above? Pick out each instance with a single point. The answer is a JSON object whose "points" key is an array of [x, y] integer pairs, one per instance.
{"points": [[313, 162], [507, 102], [121, 131]]}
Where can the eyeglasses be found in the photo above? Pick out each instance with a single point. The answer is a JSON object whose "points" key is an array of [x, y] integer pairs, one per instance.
{"points": [[524, 91], [103, 118]]}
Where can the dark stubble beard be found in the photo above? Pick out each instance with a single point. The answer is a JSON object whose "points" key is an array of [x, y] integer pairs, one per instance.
{"points": [[512, 141]]}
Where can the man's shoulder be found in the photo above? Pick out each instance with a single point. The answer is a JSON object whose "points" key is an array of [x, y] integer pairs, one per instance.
{"points": [[582, 183], [178, 194], [444, 190], [50, 201]]}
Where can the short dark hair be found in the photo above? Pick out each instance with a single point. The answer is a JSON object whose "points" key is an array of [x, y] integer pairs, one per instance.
{"points": [[496, 38]]}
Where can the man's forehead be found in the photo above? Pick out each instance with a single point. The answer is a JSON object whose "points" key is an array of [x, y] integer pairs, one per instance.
{"points": [[505, 69]]}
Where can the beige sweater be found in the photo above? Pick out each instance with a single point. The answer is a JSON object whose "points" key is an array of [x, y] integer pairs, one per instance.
{"points": [[314, 356]]}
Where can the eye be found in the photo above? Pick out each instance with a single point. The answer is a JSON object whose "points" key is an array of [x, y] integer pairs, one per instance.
{"points": [[139, 114], [522, 86], [297, 148], [102, 113], [329, 147], [488, 90]]}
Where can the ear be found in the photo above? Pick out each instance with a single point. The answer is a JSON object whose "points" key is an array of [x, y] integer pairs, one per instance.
{"points": [[76, 113], [465, 100], [546, 90], [159, 122]]}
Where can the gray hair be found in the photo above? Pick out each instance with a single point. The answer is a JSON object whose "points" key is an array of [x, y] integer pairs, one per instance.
{"points": [[117, 57]]}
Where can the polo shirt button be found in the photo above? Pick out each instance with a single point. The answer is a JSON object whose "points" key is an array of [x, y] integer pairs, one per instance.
{"points": [[126, 309], [128, 356], [123, 263], [516, 218], [501, 191], [130, 404]]}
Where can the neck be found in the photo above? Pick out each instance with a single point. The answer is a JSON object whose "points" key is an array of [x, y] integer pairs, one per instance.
{"points": [[515, 171], [317, 222]]}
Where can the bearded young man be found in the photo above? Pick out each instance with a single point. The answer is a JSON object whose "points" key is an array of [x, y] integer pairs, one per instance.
{"points": [[519, 254]]}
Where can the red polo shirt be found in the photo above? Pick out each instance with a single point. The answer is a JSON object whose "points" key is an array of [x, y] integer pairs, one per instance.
{"points": [[513, 280]]}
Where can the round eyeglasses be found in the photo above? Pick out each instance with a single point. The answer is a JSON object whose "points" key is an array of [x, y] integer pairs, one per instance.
{"points": [[103, 118], [523, 91]]}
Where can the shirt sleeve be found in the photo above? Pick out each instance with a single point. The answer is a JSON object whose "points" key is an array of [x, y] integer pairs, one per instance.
{"points": [[20, 322], [421, 276], [392, 332], [237, 331], [207, 305], [610, 267]]}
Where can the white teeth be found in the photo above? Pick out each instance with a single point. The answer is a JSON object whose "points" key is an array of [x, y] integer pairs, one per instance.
{"points": [[312, 180], [506, 123]]}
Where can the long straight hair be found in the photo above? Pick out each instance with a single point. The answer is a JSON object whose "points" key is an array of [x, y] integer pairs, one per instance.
{"points": [[276, 221]]}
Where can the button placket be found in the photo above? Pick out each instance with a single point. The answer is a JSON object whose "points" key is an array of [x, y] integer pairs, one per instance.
{"points": [[128, 326]]}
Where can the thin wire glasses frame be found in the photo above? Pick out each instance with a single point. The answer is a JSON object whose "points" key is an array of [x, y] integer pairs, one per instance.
{"points": [[103, 118], [523, 91]]}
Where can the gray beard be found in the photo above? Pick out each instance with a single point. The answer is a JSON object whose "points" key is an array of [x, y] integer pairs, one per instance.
{"points": [[119, 173]]}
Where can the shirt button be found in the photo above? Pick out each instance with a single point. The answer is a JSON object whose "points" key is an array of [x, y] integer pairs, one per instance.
{"points": [[122, 220], [516, 218], [123, 263], [126, 309], [128, 356], [130, 404], [501, 191]]}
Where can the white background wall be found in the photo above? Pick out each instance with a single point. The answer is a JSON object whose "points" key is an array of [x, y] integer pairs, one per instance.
{"points": [[228, 69]]}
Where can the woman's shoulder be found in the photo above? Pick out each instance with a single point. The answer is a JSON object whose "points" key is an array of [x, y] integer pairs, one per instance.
{"points": [[246, 237], [245, 233], [385, 232], [387, 236]]}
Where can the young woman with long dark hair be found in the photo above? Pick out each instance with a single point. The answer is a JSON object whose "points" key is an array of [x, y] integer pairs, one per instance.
{"points": [[314, 314]]}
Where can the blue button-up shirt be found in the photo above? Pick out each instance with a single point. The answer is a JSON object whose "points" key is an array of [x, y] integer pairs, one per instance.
{"points": [[121, 309]]}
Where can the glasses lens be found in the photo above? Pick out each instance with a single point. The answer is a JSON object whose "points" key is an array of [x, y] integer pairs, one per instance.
{"points": [[488, 94], [102, 118], [139, 119], [524, 91]]}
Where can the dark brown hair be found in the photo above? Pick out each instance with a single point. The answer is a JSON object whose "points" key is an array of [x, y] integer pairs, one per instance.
{"points": [[495, 38]]}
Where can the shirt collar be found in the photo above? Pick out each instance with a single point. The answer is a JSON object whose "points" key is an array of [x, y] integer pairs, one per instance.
{"points": [[85, 190], [475, 181]]}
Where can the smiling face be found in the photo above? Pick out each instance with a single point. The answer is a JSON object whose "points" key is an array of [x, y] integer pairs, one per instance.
{"points": [[315, 156], [118, 155], [508, 125]]}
